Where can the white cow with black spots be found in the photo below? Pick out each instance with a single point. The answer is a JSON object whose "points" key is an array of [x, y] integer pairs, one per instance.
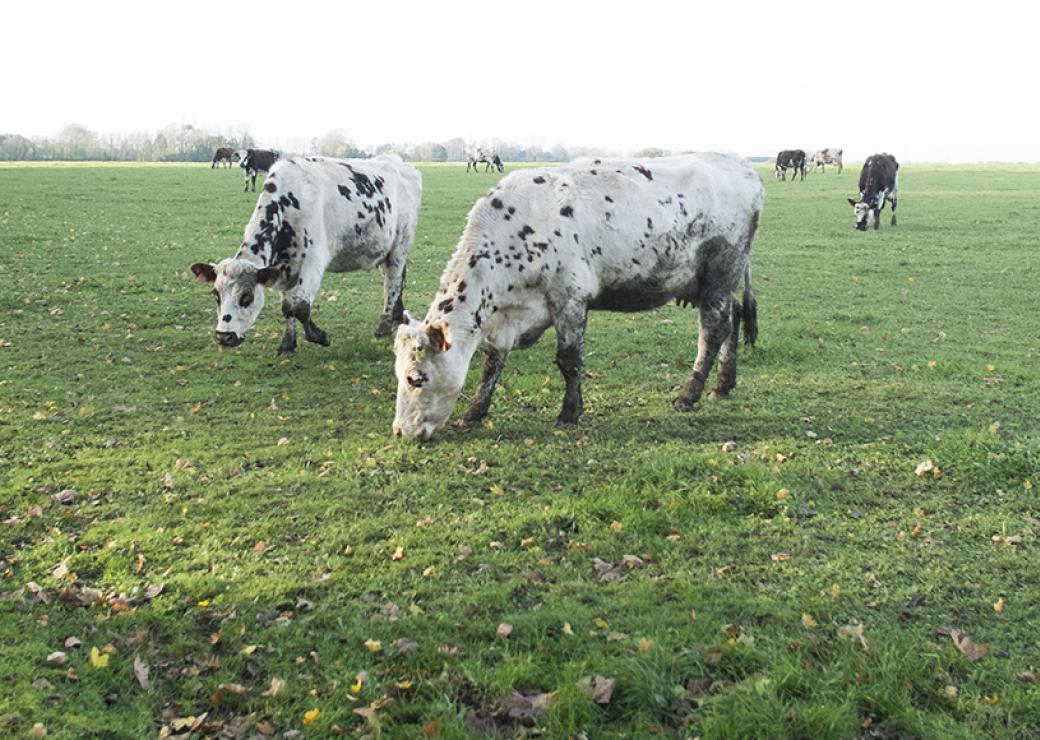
{"points": [[316, 214], [547, 245]]}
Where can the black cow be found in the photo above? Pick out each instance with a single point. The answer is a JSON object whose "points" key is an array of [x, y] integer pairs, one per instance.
{"points": [[790, 158], [254, 161], [878, 182], [223, 155]]}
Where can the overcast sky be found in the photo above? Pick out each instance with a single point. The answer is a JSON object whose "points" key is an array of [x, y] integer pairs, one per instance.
{"points": [[925, 81]]}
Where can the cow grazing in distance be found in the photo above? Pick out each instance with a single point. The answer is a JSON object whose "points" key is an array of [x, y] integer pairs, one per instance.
{"points": [[223, 156], [822, 157], [316, 215], [878, 182], [793, 159], [547, 245], [254, 161], [489, 159]]}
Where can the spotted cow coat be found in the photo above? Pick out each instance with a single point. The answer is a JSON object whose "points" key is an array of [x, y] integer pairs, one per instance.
{"points": [[316, 214], [823, 157], [547, 245], [790, 159], [488, 158], [255, 161], [878, 182]]}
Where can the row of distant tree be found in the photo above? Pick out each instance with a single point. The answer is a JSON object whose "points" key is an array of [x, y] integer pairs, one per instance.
{"points": [[185, 143]]}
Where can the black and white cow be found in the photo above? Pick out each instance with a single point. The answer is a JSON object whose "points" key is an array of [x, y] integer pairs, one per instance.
{"points": [[547, 245], [878, 182], [254, 161], [822, 157], [489, 159], [223, 156], [793, 159], [316, 214]]}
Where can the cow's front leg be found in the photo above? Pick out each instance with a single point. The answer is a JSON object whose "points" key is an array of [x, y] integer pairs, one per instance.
{"points": [[726, 379], [716, 324], [288, 345], [246, 188], [893, 202], [393, 301], [876, 214], [494, 362], [302, 311], [570, 357]]}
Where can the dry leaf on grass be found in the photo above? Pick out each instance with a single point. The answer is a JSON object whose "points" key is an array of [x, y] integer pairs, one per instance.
{"points": [[969, 649], [527, 706], [141, 673], [598, 688]]}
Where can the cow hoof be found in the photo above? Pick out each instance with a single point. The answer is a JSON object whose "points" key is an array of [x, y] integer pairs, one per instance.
{"points": [[384, 329], [683, 406], [719, 394], [286, 351], [566, 420]]}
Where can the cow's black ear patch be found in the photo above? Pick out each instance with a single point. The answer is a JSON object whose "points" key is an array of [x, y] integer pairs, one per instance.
{"points": [[852, 202], [205, 272], [268, 276]]}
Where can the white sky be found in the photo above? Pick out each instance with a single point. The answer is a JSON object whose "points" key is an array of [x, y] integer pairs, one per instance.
{"points": [[925, 81]]}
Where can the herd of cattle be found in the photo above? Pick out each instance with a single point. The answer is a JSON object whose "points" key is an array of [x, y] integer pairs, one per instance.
{"points": [[542, 248]]}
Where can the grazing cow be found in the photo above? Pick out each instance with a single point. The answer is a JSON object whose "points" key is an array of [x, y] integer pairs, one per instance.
{"points": [[793, 159], [878, 182], [489, 159], [316, 214], [823, 157], [223, 155], [546, 245], [254, 161]]}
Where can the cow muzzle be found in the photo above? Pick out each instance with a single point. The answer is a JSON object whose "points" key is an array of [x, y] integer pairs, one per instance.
{"points": [[861, 226], [227, 339]]}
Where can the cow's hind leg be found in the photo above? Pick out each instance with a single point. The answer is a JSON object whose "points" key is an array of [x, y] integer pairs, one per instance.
{"points": [[726, 378], [311, 332], [716, 324], [893, 202], [393, 289], [288, 345], [570, 357], [494, 362]]}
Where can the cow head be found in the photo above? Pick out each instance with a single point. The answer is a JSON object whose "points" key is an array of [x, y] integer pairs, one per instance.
{"points": [[497, 161], [238, 286], [779, 170], [862, 212], [430, 377]]}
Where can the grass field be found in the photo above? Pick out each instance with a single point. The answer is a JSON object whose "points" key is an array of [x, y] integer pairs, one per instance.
{"points": [[318, 575]]}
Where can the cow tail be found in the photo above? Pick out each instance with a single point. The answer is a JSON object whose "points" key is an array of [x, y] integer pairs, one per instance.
{"points": [[749, 309]]}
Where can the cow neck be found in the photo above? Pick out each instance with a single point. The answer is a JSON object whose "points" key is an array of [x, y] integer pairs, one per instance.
{"points": [[259, 247]]}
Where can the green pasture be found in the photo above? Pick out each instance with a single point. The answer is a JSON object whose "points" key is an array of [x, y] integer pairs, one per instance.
{"points": [[847, 547]]}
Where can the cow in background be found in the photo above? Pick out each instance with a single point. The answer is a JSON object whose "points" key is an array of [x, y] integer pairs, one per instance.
{"points": [[223, 155], [489, 159], [254, 161], [793, 159], [878, 182], [823, 157]]}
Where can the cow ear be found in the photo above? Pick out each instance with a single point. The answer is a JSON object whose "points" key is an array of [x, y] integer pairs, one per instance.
{"points": [[406, 318], [439, 337], [852, 202], [268, 276], [205, 272]]}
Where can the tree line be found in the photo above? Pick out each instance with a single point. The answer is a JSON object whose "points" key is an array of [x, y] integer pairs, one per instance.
{"points": [[186, 143]]}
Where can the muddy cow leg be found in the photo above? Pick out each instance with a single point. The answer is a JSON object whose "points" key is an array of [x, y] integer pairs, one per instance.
{"points": [[494, 362], [393, 303], [726, 379], [288, 345], [893, 202], [570, 356], [716, 324], [311, 332]]}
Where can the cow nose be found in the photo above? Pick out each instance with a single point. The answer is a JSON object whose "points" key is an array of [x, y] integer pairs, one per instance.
{"points": [[397, 431], [227, 338]]}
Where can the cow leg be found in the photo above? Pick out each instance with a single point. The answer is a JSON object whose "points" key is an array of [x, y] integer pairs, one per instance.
{"points": [[288, 345], [246, 176], [876, 213], [393, 289], [311, 332], [254, 181], [726, 379], [570, 356], [494, 362], [716, 324], [893, 202]]}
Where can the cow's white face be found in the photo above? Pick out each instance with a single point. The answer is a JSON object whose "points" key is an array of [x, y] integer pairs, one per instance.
{"points": [[429, 378], [238, 286], [861, 210]]}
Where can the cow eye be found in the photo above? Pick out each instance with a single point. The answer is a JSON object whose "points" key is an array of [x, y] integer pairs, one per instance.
{"points": [[245, 300]]}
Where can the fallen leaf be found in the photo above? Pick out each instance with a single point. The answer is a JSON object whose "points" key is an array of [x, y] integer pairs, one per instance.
{"points": [[38, 730], [277, 685], [374, 646], [645, 645], [697, 688], [141, 672], [853, 633], [962, 642], [527, 706], [504, 630], [616, 637], [808, 622], [398, 554], [779, 557], [616, 526], [310, 717], [924, 467], [567, 629], [464, 554], [282, 442], [430, 728], [359, 682], [97, 659], [153, 590], [61, 569], [598, 688], [998, 605], [1029, 677], [403, 646], [58, 658], [66, 496]]}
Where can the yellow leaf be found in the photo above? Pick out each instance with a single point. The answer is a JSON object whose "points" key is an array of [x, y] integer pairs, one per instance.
{"points": [[616, 525], [991, 699], [601, 623], [998, 605], [567, 630], [374, 646], [429, 571], [489, 424], [918, 511], [202, 604], [990, 368], [645, 645], [808, 622], [931, 364], [248, 650], [358, 684], [783, 494], [97, 659], [1027, 484], [310, 717], [994, 428], [835, 590]]}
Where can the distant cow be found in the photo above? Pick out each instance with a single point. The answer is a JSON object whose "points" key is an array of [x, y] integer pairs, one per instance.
{"points": [[313, 215], [878, 182], [489, 159], [223, 155], [823, 157], [254, 161], [547, 245], [793, 159]]}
